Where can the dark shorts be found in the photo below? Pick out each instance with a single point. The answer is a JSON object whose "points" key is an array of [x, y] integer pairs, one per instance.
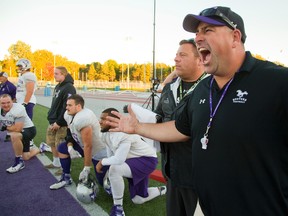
{"points": [[141, 168], [63, 148], [27, 135]]}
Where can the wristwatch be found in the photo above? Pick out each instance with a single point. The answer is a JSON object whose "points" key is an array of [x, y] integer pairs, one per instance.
{"points": [[24, 104]]}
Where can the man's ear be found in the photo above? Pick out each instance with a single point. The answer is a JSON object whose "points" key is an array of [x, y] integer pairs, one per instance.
{"points": [[199, 62], [237, 36]]}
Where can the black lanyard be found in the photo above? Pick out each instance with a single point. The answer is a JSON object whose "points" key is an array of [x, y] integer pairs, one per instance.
{"points": [[181, 95]]}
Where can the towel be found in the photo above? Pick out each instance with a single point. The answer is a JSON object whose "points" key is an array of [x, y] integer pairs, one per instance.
{"points": [[146, 116]]}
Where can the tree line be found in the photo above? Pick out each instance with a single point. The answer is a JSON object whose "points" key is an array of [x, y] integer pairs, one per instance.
{"points": [[44, 61]]}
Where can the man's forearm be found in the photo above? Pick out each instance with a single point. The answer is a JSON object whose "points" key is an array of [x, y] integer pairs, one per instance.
{"points": [[27, 97], [14, 128], [29, 92], [87, 155], [86, 134], [163, 132]]}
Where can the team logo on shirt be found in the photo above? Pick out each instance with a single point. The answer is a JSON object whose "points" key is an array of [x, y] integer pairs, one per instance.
{"points": [[202, 101], [75, 137], [166, 101], [240, 97], [57, 94]]}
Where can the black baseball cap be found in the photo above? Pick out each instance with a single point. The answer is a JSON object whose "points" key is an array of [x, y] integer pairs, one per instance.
{"points": [[219, 16]]}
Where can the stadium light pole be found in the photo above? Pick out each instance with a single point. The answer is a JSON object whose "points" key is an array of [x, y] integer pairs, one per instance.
{"points": [[154, 66], [128, 39], [55, 42]]}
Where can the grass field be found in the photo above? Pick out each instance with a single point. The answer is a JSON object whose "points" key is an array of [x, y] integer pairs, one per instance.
{"points": [[155, 207]]}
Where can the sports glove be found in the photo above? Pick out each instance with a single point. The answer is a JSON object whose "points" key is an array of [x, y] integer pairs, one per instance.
{"points": [[83, 177], [24, 104], [73, 153]]}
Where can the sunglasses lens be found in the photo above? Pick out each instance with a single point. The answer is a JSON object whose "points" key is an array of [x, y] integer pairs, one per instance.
{"points": [[216, 13], [208, 12]]}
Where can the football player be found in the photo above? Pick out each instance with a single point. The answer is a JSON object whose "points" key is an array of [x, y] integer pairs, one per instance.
{"points": [[21, 130], [82, 140], [131, 157], [26, 86]]}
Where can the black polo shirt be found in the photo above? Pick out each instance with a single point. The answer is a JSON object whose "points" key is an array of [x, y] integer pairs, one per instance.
{"points": [[244, 170]]}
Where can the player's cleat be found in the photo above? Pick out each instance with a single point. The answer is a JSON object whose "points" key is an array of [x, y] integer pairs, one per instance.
{"points": [[162, 190], [65, 180], [44, 147], [18, 165], [117, 210]]}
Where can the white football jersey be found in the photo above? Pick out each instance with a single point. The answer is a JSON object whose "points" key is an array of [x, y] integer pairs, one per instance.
{"points": [[138, 147], [16, 114], [21, 87], [84, 118]]}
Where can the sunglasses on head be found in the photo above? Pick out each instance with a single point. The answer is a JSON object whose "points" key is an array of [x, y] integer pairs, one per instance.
{"points": [[215, 12], [191, 40]]}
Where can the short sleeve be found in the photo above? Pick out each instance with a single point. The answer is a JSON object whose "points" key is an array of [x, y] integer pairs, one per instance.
{"points": [[183, 116]]}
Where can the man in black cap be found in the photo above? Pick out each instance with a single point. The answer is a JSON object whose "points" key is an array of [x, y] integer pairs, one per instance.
{"points": [[237, 120], [6, 87], [217, 16]]}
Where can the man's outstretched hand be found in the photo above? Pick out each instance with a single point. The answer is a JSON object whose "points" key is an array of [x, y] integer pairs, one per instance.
{"points": [[124, 123]]}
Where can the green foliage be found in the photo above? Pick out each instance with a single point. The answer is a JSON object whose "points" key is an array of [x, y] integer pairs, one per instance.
{"points": [[112, 65], [91, 72], [20, 50], [151, 208], [40, 61]]}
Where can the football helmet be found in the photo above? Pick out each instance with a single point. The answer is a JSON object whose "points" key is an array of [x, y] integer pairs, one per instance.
{"points": [[25, 64], [86, 192]]}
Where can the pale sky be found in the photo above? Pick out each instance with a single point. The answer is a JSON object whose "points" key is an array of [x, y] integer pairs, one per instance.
{"points": [[87, 31]]}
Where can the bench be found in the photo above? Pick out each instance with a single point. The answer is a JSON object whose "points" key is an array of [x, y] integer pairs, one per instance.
{"points": [[157, 176]]}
